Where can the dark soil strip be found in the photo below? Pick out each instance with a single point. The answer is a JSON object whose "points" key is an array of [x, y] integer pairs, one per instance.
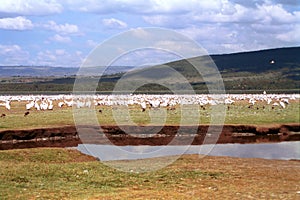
{"points": [[70, 136]]}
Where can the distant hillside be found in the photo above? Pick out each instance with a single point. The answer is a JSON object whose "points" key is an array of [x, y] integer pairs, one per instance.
{"points": [[36, 71], [259, 61], [273, 69], [276, 70], [46, 71], [286, 59]]}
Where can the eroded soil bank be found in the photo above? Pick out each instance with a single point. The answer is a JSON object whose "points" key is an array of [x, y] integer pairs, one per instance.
{"points": [[71, 136]]}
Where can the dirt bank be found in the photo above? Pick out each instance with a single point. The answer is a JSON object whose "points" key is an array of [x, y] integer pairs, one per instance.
{"points": [[70, 136]]}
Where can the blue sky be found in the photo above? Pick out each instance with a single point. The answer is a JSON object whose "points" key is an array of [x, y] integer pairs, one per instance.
{"points": [[62, 33]]}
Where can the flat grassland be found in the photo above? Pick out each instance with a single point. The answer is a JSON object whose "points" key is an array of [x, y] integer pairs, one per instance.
{"points": [[235, 114], [52, 173], [67, 174]]}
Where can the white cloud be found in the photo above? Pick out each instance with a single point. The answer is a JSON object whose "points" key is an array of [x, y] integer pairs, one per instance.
{"points": [[114, 23], [29, 7], [78, 53], [46, 58], [17, 23], [61, 28], [58, 57], [145, 57], [60, 52], [140, 33], [106, 6], [205, 32], [227, 13], [291, 36], [91, 43], [143, 7], [229, 26], [221, 26], [221, 12], [184, 48], [231, 47], [228, 8], [8, 49], [229, 38], [287, 2], [158, 20], [275, 14], [13, 55], [59, 38]]}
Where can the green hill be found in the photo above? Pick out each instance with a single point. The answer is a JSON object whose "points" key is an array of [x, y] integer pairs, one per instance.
{"points": [[273, 70], [260, 61]]}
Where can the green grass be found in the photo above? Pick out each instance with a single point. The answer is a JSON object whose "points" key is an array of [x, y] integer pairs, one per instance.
{"points": [[235, 114], [241, 114], [54, 174], [45, 173]]}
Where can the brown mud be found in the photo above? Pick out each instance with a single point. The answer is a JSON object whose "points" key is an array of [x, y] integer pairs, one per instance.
{"points": [[71, 136]]}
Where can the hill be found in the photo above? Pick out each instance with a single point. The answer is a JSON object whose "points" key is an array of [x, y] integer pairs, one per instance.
{"points": [[274, 70], [36, 71], [48, 71], [260, 61]]}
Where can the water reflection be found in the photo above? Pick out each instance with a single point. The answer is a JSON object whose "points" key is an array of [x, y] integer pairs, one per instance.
{"points": [[283, 151]]}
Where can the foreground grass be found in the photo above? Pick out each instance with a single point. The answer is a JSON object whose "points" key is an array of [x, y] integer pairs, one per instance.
{"points": [[67, 174], [235, 114]]}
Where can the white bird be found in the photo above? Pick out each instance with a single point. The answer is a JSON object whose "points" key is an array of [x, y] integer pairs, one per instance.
{"points": [[29, 105], [285, 101], [252, 101], [269, 101], [79, 104], [37, 106], [88, 103], [7, 105], [143, 105], [44, 105], [61, 104], [229, 101], [50, 107], [282, 104], [155, 104], [69, 103]]}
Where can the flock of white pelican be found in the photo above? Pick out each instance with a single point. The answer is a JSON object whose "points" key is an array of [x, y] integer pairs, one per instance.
{"points": [[50, 102]]}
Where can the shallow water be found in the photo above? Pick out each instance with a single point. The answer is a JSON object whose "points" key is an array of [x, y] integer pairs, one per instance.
{"points": [[282, 151]]}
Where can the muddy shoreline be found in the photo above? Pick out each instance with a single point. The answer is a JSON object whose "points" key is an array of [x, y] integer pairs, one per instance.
{"points": [[71, 136]]}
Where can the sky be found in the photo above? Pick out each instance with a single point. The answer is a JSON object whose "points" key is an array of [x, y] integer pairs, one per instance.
{"points": [[63, 33]]}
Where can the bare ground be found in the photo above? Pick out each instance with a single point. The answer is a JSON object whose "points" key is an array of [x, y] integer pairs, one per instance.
{"points": [[241, 178], [69, 136]]}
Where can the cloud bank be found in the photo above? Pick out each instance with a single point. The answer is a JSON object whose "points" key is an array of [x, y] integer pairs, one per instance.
{"points": [[29, 27]]}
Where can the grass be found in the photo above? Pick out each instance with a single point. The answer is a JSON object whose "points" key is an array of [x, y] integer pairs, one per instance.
{"points": [[235, 114], [67, 174], [57, 174]]}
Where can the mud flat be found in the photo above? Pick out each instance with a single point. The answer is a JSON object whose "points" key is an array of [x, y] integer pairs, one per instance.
{"points": [[71, 136]]}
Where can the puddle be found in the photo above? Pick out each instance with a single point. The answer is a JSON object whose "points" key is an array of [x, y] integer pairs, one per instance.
{"points": [[282, 151]]}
